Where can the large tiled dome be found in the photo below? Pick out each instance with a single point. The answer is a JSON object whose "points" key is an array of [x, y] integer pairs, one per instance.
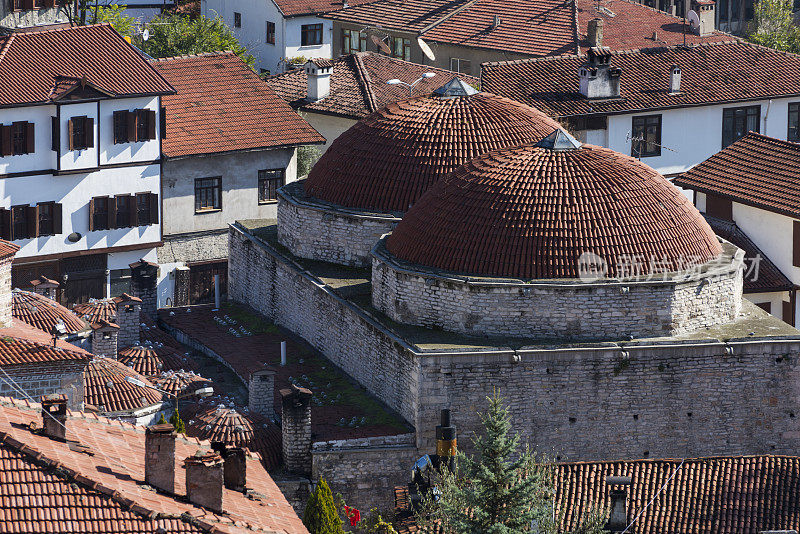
{"points": [[531, 212], [106, 387], [388, 159], [44, 313]]}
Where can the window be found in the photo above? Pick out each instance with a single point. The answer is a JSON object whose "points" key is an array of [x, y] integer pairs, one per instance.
{"points": [[16, 5], [400, 47], [146, 209], [719, 207], [134, 126], [270, 32], [590, 122], [98, 214], [646, 136], [121, 127], [46, 218], [124, 207], [353, 41], [796, 243], [310, 34], [736, 122], [237, 20], [268, 183], [142, 125], [462, 66], [207, 194], [19, 222], [23, 222], [794, 122], [81, 133], [120, 281], [19, 137], [16, 139]]}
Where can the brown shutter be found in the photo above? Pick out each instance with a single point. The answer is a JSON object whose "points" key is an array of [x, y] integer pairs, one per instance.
{"points": [[57, 213], [27, 4], [91, 215], [49, 3], [32, 216], [787, 313], [131, 127], [163, 122], [719, 207], [112, 212], [71, 134], [5, 224], [29, 138], [56, 134], [796, 243], [153, 208], [115, 120], [5, 140], [132, 211], [88, 126], [151, 124]]}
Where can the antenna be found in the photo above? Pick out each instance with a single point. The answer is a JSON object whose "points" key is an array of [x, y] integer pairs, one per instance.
{"points": [[426, 49], [694, 22], [630, 137]]}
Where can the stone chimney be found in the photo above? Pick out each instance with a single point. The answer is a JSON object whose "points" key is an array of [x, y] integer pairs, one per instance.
{"points": [[675, 80], [618, 518], [319, 73], [296, 428], [45, 287], [235, 468], [159, 457], [7, 252], [261, 393], [204, 480], [144, 279], [104, 339], [706, 12], [129, 310], [594, 32], [54, 416], [598, 79]]}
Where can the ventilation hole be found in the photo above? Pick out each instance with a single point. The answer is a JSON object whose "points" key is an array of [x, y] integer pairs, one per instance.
{"points": [[636, 417], [572, 420], [688, 414], [646, 454]]}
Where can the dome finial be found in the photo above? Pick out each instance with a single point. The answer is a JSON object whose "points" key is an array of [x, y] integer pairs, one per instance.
{"points": [[559, 140], [455, 87]]}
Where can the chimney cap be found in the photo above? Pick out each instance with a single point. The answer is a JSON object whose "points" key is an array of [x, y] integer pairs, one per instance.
{"points": [[125, 297], [44, 282], [164, 428], [54, 399], [295, 391], [619, 481], [102, 323], [208, 459]]}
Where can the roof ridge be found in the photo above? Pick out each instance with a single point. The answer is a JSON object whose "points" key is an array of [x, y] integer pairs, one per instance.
{"points": [[677, 460], [6, 46], [197, 55], [365, 82]]}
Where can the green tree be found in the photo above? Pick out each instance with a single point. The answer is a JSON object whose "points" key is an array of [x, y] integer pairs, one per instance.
{"points": [[773, 26], [177, 35], [115, 15], [161, 420], [307, 156], [176, 421], [320, 516]]}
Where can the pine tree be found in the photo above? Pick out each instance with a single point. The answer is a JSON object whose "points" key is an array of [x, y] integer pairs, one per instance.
{"points": [[320, 516], [161, 420], [176, 421]]}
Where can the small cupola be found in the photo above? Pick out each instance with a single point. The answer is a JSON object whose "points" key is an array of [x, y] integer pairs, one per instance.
{"points": [[598, 79], [319, 73]]}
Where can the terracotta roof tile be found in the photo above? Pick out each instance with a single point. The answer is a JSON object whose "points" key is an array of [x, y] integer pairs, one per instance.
{"points": [[7, 248], [295, 8], [388, 159], [756, 170], [153, 360], [530, 212], [17, 350], [222, 106], [180, 382], [712, 73], [44, 313], [30, 64], [97, 310], [106, 389]]}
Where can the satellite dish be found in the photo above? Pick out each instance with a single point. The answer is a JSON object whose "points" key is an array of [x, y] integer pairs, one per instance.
{"points": [[694, 20], [146, 34], [426, 49], [380, 44]]}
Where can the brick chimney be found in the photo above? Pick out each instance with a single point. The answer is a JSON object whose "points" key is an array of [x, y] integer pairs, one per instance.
{"points": [[54, 416], [235, 468], [594, 32], [144, 279], [296, 429], [618, 518], [204, 480], [45, 287], [128, 318], [318, 72], [598, 79], [104, 339], [159, 457], [5, 281], [261, 393]]}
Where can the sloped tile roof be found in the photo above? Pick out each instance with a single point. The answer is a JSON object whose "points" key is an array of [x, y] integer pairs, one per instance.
{"points": [[7, 248], [152, 360], [18, 350], [44, 313], [358, 84], [151, 334], [712, 73], [30, 64], [388, 160], [97, 310], [756, 170], [530, 213], [106, 389], [115, 470], [296, 8], [180, 382], [223, 106]]}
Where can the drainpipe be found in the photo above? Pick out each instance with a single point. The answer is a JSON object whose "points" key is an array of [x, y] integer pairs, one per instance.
{"points": [[766, 115]]}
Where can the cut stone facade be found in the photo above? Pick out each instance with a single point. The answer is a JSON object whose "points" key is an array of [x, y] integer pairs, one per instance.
{"points": [[317, 230], [31, 17], [296, 429], [5, 292], [261, 393], [40, 379], [128, 319], [198, 246], [573, 309], [104, 341]]}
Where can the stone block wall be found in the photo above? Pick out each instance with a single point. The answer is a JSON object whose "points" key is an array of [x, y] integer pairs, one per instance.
{"points": [[128, 319], [571, 309], [104, 342], [5, 291], [37, 380], [261, 393], [320, 231]]}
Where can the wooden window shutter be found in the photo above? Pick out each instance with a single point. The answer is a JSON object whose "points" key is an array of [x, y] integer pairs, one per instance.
{"points": [[5, 224], [56, 134], [32, 216], [153, 208], [89, 128], [71, 134], [132, 211], [163, 122], [27, 4], [57, 213], [132, 115], [91, 215], [119, 116], [788, 312], [29, 138], [6, 145], [151, 124], [112, 212], [796, 243]]}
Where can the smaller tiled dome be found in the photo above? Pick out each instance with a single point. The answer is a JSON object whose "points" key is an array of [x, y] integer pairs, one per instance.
{"points": [[106, 389], [387, 160], [97, 309], [228, 426], [531, 212], [44, 313], [178, 383], [152, 360]]}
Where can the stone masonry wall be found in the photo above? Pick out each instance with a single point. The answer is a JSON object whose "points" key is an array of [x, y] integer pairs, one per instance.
{"points": [[5, 291], [199, 246], [37, 380], [577, 310], [318, 231]]}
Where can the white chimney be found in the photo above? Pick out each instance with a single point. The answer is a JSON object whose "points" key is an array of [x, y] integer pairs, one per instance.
{"points": [[706, 13], [496, 22], [599, 79], [675, 80], [319, 78]]}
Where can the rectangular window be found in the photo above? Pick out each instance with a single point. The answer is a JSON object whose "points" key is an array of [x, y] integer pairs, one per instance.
{"points": [[125, 206], [268, 183], [646, 136], [98, 214], [207, 194], [19, 138], [121, 126], [400, 48], [736, 122], [794, 122], [19, 222], [353, 41], [796, 243], [143, 208], [270, 32], [310, 34], [46, 218], [16, 5], [237, 20], [462, 66], [81, 133], [719, 207], [142, 125]]}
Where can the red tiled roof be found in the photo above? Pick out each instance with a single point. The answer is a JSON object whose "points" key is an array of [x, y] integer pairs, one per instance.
{"points": [[114, 475], [15, 350], [530, 212], [295, 8], [31, 62], [7, 248], [756, 170], [228, 426], [388, 159], [358, 84], [724, 495], [106, 389], [22, 330], [97, 310], [44, 313], [180, 382], [222, 106], [151, 361], [712, 73], [628, 25]]}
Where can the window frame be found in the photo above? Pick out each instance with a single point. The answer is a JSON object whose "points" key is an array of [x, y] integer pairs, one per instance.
{"points": [[123, 218], [309, 30], [405, 53], [731, 114], [794, 109], [211, 183], [347, 41], [458, 63], [265, 180], [19, 215], [41, 228], [652, 148], [101, 216], [270, 35], [237, 19]]}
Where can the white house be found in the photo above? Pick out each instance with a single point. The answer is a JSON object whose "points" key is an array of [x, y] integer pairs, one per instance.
{"points": [[80, 146], [672, 107]]}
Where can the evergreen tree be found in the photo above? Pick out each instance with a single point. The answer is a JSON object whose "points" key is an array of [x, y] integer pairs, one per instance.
{"points": [[320, 516], [773, 26], [176, 421], [161, 420]]}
